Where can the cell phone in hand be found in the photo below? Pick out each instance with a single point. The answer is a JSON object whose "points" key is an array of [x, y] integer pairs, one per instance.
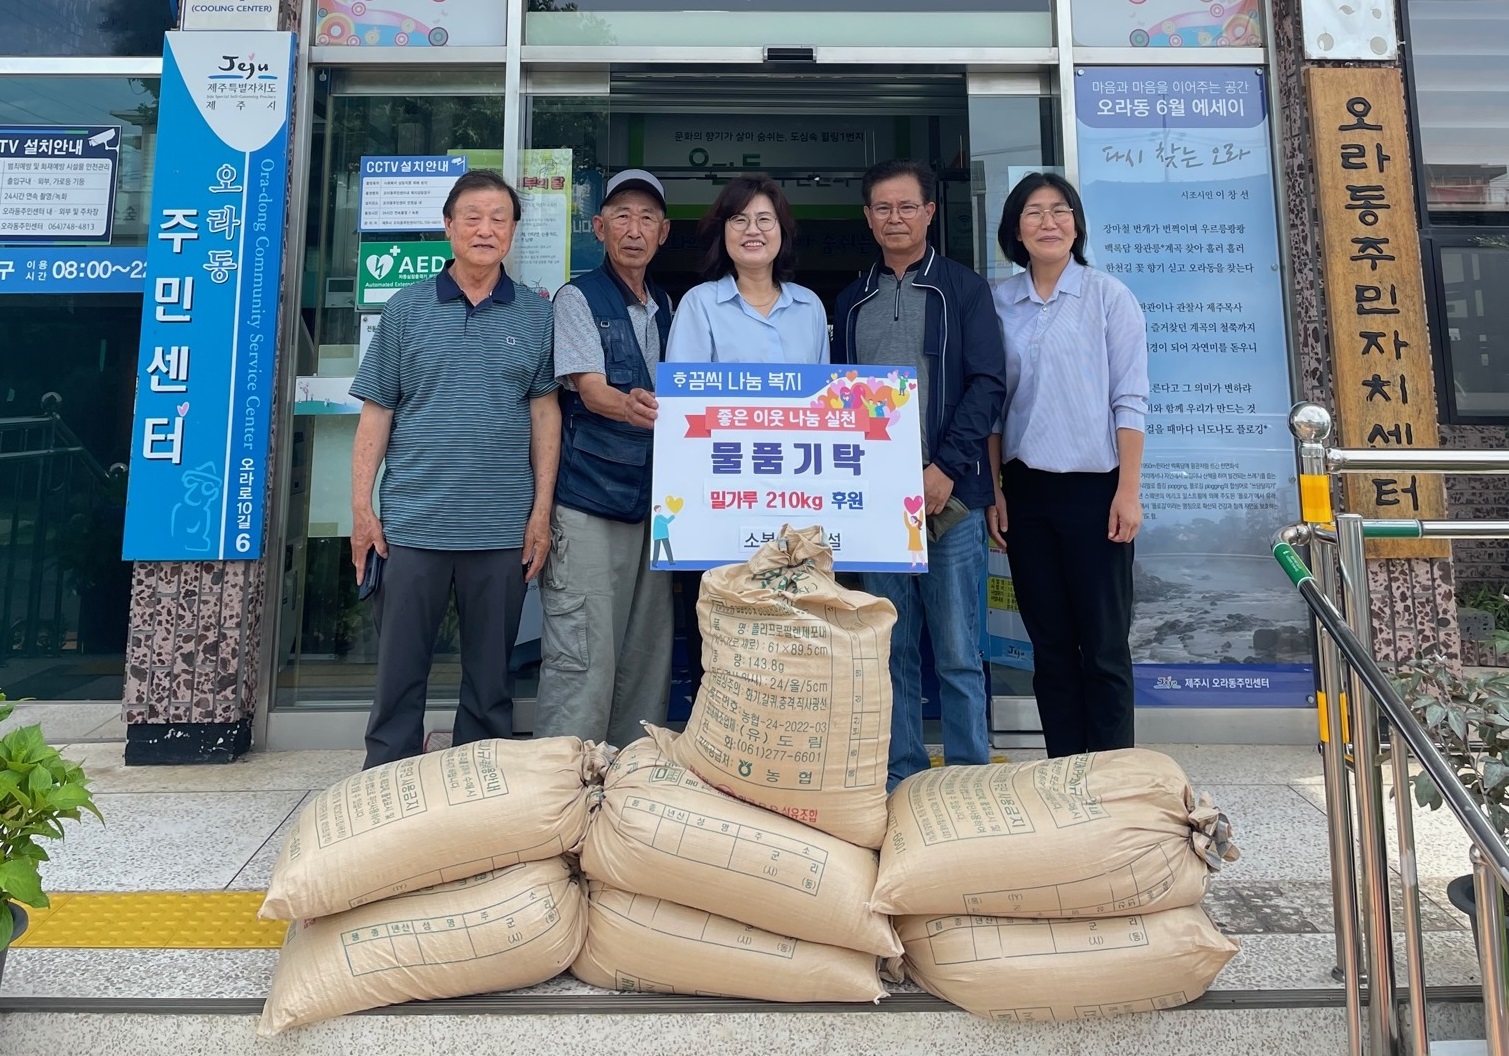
{"points": [[371, 574]]}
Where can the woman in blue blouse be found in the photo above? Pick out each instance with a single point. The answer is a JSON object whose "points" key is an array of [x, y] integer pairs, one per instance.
{"points": [[749, 310], [1067, 506]]}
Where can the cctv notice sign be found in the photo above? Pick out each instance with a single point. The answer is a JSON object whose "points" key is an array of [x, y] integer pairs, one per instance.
{"points": [[384, 268], [57, 183]]}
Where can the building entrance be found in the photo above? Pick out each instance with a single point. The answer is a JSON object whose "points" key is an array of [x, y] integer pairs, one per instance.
{"points": [[814, 133]]}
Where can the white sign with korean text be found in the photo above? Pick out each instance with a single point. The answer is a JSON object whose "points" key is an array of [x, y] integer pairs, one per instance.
{"points": [[743, 449], [407, 193]]}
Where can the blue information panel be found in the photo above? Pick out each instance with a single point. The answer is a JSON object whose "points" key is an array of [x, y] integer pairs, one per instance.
{"points": [[73, 269], [408, 192], [209, 319], [1177, 178], [57, 184]]}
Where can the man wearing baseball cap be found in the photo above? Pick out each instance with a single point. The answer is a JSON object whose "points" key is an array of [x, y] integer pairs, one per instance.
{"points": [[606, 643]]}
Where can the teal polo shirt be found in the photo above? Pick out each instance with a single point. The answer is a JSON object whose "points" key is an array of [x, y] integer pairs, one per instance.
{"points": [[458, 378]]}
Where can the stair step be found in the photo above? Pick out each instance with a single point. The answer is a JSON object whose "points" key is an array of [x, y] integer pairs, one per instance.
{"points": [[1279, 1022]]}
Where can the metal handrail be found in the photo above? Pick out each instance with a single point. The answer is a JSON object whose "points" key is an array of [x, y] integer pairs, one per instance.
{"points": [[1416, 460], [1479, 829], [1345, 659]]}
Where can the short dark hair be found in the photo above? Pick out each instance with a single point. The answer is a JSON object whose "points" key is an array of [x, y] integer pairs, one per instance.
{"points": [[889, 170], [733, 200], [482, 180], [1009, 237]]}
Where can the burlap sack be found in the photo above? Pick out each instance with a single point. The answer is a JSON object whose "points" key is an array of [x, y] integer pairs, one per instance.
{"points": [[794, 711], [1050, 971], [662, 831], [497, 931], [645, 944], [420, 822], [1085, 836]]}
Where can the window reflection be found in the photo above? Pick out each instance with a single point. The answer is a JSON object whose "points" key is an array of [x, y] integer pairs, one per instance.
{"points": [[84, 27], [1460, 63]]}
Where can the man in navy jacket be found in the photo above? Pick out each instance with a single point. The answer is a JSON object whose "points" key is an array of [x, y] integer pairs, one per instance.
{"points": [[917, 308]]}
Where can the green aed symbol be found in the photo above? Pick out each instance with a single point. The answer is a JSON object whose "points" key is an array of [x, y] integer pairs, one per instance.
{"points": [[745, 768]]}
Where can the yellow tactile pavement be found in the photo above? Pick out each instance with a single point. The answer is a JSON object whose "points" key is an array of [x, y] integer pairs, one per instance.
{"points": [[160, 920], [164, 920]]}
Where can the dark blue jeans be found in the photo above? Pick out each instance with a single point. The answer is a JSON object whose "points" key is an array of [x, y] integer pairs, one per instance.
{"points": [[947, 595]]}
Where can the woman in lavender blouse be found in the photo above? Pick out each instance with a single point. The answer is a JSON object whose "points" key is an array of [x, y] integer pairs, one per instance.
{"points": [[1069, 462]]}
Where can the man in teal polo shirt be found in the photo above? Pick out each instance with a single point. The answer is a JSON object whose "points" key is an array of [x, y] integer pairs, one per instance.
{"points": [[460, 408]]}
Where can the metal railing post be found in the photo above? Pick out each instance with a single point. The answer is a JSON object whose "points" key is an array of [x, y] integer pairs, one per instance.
{"points": [[1414, 946], [1312, 429], [1382, 1024], [1490, 913]]}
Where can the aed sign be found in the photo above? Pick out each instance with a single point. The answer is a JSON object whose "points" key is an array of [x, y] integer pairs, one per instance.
{"points": [[384, 268]]}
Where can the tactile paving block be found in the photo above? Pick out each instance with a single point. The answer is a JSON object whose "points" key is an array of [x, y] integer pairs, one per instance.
{"points": [[181, 920]]}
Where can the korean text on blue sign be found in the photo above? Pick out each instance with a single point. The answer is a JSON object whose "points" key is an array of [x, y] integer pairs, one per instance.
{"points": [[210, 313], [407, 193], [57, 184], [743, 449], [73, 269], [1177, 178]]}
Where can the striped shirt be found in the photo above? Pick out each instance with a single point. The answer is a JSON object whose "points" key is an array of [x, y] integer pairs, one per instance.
{"points": [[1076, 370], [458, 378]]}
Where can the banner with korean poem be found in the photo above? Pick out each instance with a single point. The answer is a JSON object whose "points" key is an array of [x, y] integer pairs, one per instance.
{"points": [[741, 449]]}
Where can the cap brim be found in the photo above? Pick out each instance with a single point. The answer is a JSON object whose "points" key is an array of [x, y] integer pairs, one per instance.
{"points": [[636, 185]]}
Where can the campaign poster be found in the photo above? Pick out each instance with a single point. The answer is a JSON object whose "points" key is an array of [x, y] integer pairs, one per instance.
{"points": [[1177, 178]]}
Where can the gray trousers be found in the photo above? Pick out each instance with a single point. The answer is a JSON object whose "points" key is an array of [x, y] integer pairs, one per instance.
{"points": [[410, 603], [605, 660]]}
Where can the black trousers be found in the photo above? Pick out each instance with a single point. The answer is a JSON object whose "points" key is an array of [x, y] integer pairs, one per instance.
{"points": [[1074, 589], [410, 603], [688, 584]]}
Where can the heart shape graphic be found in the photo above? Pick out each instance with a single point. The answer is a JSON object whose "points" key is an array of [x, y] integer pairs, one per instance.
{"points": [[183, 410], [674, 504], [379, 264], [912, 503]]}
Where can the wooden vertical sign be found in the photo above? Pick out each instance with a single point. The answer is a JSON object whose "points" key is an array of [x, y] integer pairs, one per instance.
{"points": [[1375, 295]]}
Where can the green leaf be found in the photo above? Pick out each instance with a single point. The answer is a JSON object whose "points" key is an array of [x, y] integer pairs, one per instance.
{"points": [[1458, 723], [1426, 793], [1434, 713], [19, 880], [39, 781], [7, 924], [69, 797], [1495, 773]]}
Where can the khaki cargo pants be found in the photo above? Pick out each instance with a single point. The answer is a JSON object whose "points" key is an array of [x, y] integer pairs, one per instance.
{"points": [[605, 649]]}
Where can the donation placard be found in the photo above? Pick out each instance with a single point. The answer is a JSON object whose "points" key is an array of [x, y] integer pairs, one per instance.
{"points": [[742, 449]]}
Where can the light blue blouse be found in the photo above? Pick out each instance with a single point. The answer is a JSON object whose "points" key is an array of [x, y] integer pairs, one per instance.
{"points": [[712, 324], [1076, 370]]}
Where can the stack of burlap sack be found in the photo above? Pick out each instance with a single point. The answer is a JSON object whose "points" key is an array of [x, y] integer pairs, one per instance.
{"points": [[1056, 890], [739, 858], [438, 876]]}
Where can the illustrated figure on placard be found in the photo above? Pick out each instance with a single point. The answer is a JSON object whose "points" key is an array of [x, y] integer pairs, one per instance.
{"points": [[193, 520], [660, 530], [912, 515]]}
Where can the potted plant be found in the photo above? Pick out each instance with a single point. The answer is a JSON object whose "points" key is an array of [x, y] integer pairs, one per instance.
{"points": [[39, 790], [1467, 716]]}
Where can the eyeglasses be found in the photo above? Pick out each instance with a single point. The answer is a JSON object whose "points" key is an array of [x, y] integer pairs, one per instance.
{"points": [[906, 210], [1059, 213], [741, 222]]}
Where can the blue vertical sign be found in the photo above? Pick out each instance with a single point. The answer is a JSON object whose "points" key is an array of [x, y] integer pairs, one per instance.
{"points": [[1177, 178], [210, 314]]}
